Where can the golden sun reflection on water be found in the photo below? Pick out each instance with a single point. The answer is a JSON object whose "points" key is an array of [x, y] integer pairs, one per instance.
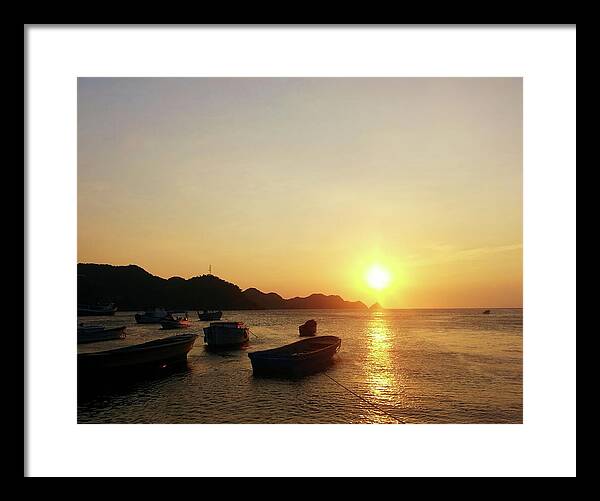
{"points": [[381, 378]]}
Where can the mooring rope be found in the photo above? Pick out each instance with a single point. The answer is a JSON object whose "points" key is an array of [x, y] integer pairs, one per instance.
{"points": [[365, 400]]}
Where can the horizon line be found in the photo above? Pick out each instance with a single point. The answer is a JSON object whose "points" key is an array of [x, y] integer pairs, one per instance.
{"points": [[315, 293]]}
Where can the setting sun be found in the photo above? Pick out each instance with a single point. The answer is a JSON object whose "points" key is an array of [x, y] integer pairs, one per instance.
{"points": [[378, 277]]}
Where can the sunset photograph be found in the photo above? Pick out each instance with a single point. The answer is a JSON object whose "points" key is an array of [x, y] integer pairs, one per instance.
{"points": [[299, 250]]}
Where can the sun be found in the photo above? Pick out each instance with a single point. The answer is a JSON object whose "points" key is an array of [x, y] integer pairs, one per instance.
{"points": [[378, 277]]}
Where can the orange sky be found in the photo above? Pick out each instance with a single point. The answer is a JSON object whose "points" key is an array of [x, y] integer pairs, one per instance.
{"points": [[300, 185]]}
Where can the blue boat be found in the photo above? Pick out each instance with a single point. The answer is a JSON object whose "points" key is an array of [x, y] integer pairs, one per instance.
{"points": [[301, 358]]}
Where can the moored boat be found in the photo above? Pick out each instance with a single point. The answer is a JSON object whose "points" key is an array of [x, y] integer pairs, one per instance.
{"points": [[171, 322], [303, 357], [486, 312], [226, 334], [208, 315], [89, 310], [95, 333], [308, 328], [158, 354], [151, 316]]}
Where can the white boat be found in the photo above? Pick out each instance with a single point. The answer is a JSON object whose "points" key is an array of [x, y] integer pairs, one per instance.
{"points": [[155, 316], [208, 315], [226, 334]]}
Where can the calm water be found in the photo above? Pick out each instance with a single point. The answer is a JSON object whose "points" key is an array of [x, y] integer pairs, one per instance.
{"points": [[419, 366]]}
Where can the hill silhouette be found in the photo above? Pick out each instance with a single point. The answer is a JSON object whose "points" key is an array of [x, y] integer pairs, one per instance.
{"points": [[133, 288], [273, 301]]}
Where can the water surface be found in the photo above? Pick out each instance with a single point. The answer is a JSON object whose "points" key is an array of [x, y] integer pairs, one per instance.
{"points": [[412, 366]]}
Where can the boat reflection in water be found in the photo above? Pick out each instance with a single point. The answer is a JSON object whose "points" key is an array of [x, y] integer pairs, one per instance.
{"points": [[382, 385], [141, 381]]}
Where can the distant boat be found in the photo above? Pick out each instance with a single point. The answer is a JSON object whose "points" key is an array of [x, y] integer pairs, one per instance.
{"points": [[486, 312], [89, 310], [303, 357], [208, 315], [226, 334], [157, 354], [151, 317], [94, 333], [308, 328], [171, 322]]}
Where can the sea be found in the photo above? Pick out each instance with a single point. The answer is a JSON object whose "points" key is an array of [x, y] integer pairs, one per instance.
{"points": [[404, 366]]}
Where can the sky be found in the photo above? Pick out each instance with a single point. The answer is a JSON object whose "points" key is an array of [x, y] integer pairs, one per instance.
{"points": [[302, 185]]}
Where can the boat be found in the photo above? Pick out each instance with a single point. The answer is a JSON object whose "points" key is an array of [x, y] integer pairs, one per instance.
{"points": [[171, 322], [157, 354], [486, 312], [208, 315], [308, 328], [89, 310], [301, 358], [94, 333], [152, 316], [226, 334]]}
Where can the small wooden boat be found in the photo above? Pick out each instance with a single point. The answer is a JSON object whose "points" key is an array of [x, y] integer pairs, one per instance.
{"points": [[308, 328], [171, 322], [89, 310], [157, 354], [151, 317], [207, 315], [226, 334], [486, 312], [95, 333], [303, 357]]}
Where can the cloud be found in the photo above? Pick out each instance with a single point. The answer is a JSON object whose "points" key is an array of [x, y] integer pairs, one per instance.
{"points": [[444, 253]]}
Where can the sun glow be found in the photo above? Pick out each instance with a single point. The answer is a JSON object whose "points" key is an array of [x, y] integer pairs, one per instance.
{"points": [[378, 277]]}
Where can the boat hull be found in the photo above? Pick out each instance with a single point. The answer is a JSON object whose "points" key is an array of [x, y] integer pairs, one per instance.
{"points": [[210, 316], [85, 312], [225, 337], [308, 329], [298, 359], [144, 319], [151, 355], [171, 325], [148, 320], [100, 335]]}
